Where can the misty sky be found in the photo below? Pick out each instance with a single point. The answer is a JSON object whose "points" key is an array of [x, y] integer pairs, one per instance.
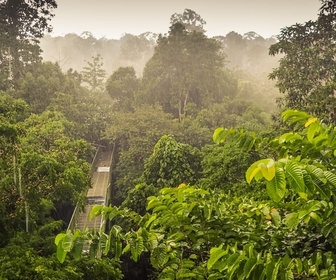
{"points": [[113, 18]]}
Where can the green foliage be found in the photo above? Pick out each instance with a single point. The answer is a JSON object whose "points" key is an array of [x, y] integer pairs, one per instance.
{"points": [[195, 233], [89, 113], [122, 86], [135, 134], [186, 68], [11, 109], [32, 257], [182, 225], [39, 84], [43, 169], [171, 164], [224, 167]]}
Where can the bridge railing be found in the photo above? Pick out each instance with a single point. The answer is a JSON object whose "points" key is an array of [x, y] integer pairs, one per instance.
{"points": [[108, 189], [76, 211]]}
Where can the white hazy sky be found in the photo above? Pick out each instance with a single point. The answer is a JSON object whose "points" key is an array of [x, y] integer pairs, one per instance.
{"points": [[113, 18]]}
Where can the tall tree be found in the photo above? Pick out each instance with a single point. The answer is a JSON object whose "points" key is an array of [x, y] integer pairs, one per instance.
{"points": [[94, 74], [39, 83], [307, 73], [22, 24], [122, 86], [190, 20], [186, 69]]}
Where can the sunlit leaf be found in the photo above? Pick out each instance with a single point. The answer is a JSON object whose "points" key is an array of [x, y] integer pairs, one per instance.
{"points": [[268, 171], [316, 217], [254, 169], [218, 135], [96, 211], [310, 121]]}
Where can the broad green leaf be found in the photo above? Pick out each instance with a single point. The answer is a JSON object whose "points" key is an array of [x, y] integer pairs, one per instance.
{"points": [[96, 211], [159, 257], [249, 266], [77, 249], [187, 263], [246, 142], [312, 130], [151, 219], [153, 203], [253, 174], [64, 245], [283, 137], [104, 243], [299, 265], [324, 191], [292, 220], [61, 253], [295, 116], [317, 173], [232, 259], [218, 135], [113, 213], [153, 240], [215, 254], [269, 269], [67, 242], [118, 249], [276, 188], [233, 263], [59, 238], [221, 134], [276, 219], [308, 182], [276, 271], [294, 176], [316, 217], [137, 247], [126, 249], [320, 139], [289, 137], [160, 208], [331, 177]]}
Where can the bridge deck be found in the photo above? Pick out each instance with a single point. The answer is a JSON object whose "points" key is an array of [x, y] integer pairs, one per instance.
{"points": [[96, 194]]}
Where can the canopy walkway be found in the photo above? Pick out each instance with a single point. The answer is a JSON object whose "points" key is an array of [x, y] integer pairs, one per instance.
{"points": [[98, 194]]}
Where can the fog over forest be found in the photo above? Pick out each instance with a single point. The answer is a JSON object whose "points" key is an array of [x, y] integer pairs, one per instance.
{"points": [[247, 55], [248, 52]]}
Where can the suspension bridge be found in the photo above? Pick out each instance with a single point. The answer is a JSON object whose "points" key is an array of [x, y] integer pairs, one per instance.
{"points": [[98, 194]]}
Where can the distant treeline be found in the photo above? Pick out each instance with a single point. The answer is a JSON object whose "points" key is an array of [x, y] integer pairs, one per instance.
{"points": [[248, 52]]}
